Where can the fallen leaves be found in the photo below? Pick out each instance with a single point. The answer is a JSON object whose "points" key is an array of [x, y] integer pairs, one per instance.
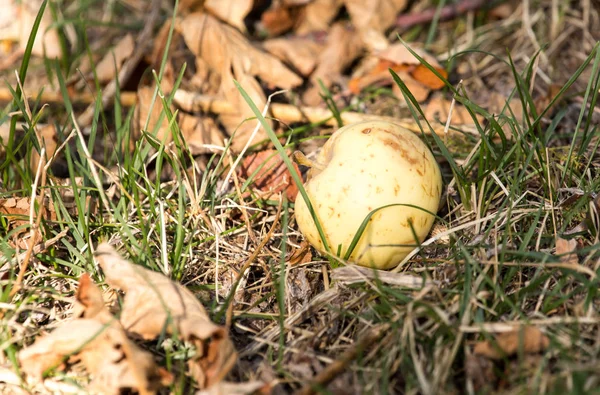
{"points": [[527, 339], [493, 361], [228, 53], [16, 23], [100, 344], [566, 250], [269, 174], [419, 79], [153, 304]]}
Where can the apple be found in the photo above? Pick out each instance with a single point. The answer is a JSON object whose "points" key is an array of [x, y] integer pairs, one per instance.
{"points": [[378, 168]]}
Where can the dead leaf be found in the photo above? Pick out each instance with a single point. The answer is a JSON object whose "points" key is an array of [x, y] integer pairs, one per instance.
{"points": [[16, 210], [152, 120], [16, 24], [201, 134], [373, 17], [49, 140], [438, 109], [278, 19], [317, 15], [237, 124], [527, 339], [567, 251], [272, 175], [342, 48], [230, 11], [227, 52], [301, 255], [100, 343], [153, 303], [301, 53], [223, 47], [417, 77], [111, 63]]}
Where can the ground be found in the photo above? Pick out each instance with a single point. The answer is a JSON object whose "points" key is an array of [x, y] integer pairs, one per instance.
{"points": [[501, 296]]}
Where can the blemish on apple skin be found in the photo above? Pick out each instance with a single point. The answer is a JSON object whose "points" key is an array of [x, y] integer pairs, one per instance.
{"points": [[366, 131], [396, 189]]}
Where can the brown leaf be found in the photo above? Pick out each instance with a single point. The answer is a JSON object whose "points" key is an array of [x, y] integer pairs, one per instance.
{"points": [[16, 210], [19, 27], [567, 251], [147, 118], [374, 14], [272, 174], [223, 47], [49, 140], [153, 303], [115, 363], [237, 124], [438, 109], [227, 52], [301, 255], [230, 11], [301, 53], [201, 133], [317, 15], [111, 63], [343, 47], [100, 343], [278, 19], [527, 339], [418, 78]]}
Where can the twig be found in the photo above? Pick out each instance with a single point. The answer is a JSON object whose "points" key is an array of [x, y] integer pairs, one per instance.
{"points": [[142, 43], [246, 265], [450, 11], [328, 374], [192, 102], [127, 99]]}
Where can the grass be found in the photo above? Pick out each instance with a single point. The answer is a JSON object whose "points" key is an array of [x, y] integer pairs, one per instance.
{"points": [[511, 192]]}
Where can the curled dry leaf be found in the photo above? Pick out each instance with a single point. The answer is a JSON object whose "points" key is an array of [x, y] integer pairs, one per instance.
{"points": [[438, 109], [153, 304], [278, 19], [151, 117], [16, 23], [201, 134], [418, 78], [227, 52], [373, 17], [567, 251], [230, 11], [272, 175], [100, 343], [527, 339], [111, 63], [342, 48], [302, 53], [317, 15]]}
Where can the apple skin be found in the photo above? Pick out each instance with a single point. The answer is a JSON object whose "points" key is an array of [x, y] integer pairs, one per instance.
{"points": [[362, 167]]}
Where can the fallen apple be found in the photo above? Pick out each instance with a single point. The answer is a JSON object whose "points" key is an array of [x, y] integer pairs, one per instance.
{"points": [[364, 168]]}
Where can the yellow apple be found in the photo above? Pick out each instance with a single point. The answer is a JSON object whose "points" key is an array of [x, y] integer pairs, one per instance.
{"points": [[363, 167]]}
